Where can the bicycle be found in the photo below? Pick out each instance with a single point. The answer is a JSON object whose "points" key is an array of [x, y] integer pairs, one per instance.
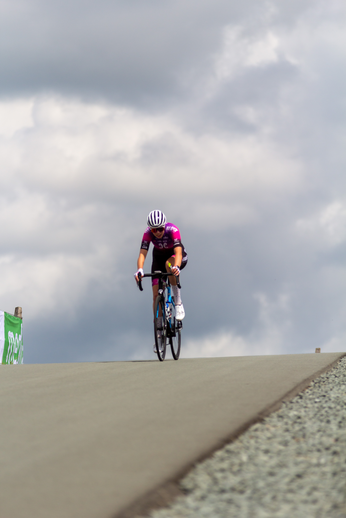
{"points": [[168, 329]]}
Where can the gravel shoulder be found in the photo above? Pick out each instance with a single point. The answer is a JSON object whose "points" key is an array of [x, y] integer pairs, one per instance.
{"points": [[293, 464]]}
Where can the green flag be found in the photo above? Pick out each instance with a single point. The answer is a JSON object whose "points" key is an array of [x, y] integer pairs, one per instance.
{"points": [[11, 338]]}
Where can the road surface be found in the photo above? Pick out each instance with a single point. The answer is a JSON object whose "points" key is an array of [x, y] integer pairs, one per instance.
{"points": [[89, 440]]}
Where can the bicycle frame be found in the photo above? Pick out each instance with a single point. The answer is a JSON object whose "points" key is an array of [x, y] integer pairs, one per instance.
{"points": [[163, 285], [169, 301]]}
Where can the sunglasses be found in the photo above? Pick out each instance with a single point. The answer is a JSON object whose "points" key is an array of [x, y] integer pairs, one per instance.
{"points": [[160, 229]]}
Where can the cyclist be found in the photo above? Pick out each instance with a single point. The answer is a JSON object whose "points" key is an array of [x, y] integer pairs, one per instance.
{"points": [[169, 255]]}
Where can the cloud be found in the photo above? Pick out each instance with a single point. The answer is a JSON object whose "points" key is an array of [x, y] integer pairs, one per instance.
{"points": [[270, 335], [327, 226], [73, 147], [89, 50]]}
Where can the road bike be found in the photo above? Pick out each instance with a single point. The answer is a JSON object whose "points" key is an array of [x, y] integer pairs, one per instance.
{"points": [[167, 329]]}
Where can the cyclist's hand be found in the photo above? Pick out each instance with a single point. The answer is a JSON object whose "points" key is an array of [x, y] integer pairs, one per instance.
{"points": [[175, 270], [140, 271]]}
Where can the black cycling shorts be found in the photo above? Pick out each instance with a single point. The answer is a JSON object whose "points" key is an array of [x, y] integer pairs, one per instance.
{"points": [[159, 260]]}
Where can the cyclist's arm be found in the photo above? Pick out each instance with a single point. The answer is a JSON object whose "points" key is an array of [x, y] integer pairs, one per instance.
{"points": [[141, 258], [178, 252]]}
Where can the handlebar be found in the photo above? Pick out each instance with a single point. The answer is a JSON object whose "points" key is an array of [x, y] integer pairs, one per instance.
{"points": [[156, 275]]}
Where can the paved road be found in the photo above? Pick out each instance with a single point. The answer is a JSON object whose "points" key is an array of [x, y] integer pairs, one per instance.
{"points": [[87, 440]]}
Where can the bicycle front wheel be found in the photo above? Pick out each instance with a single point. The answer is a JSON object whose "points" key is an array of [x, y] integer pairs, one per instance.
{"points": [[175, 337], [160, 328]]}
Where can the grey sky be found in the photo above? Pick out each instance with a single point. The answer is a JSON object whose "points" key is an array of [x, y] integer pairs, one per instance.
{"points": [[228, 116]]}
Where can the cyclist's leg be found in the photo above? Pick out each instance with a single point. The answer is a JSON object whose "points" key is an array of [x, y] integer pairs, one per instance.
{"points": [[158, 264], [155, 292], [180, 312], [172, 262], [158, 322], [160, 329]]}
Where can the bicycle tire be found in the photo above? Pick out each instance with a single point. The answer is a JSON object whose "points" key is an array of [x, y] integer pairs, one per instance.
{"points": [[175, 339], [160, 342]]}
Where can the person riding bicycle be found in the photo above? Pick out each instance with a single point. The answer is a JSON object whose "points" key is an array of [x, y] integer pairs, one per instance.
{"points": [[169, 255]]}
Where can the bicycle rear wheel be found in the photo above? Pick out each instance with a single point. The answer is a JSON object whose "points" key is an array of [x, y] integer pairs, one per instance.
{"points": [[160, 328], [175, 337]]}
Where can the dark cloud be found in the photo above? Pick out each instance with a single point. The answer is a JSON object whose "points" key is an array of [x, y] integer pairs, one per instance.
{"points": [[259, 89], [130, 53], [127, 53]]}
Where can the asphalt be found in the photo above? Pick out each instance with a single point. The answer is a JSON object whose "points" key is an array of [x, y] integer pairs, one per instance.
{"points": [[100, 440]]}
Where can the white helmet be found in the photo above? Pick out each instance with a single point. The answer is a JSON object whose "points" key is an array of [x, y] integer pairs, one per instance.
{"points": [[156, 219]]}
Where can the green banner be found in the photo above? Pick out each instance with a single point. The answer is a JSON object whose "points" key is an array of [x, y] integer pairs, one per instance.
{"points": [[11, 338]]}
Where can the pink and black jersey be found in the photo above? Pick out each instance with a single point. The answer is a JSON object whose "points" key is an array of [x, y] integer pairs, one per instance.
{"points": [[163, 247], [170, 239]]}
